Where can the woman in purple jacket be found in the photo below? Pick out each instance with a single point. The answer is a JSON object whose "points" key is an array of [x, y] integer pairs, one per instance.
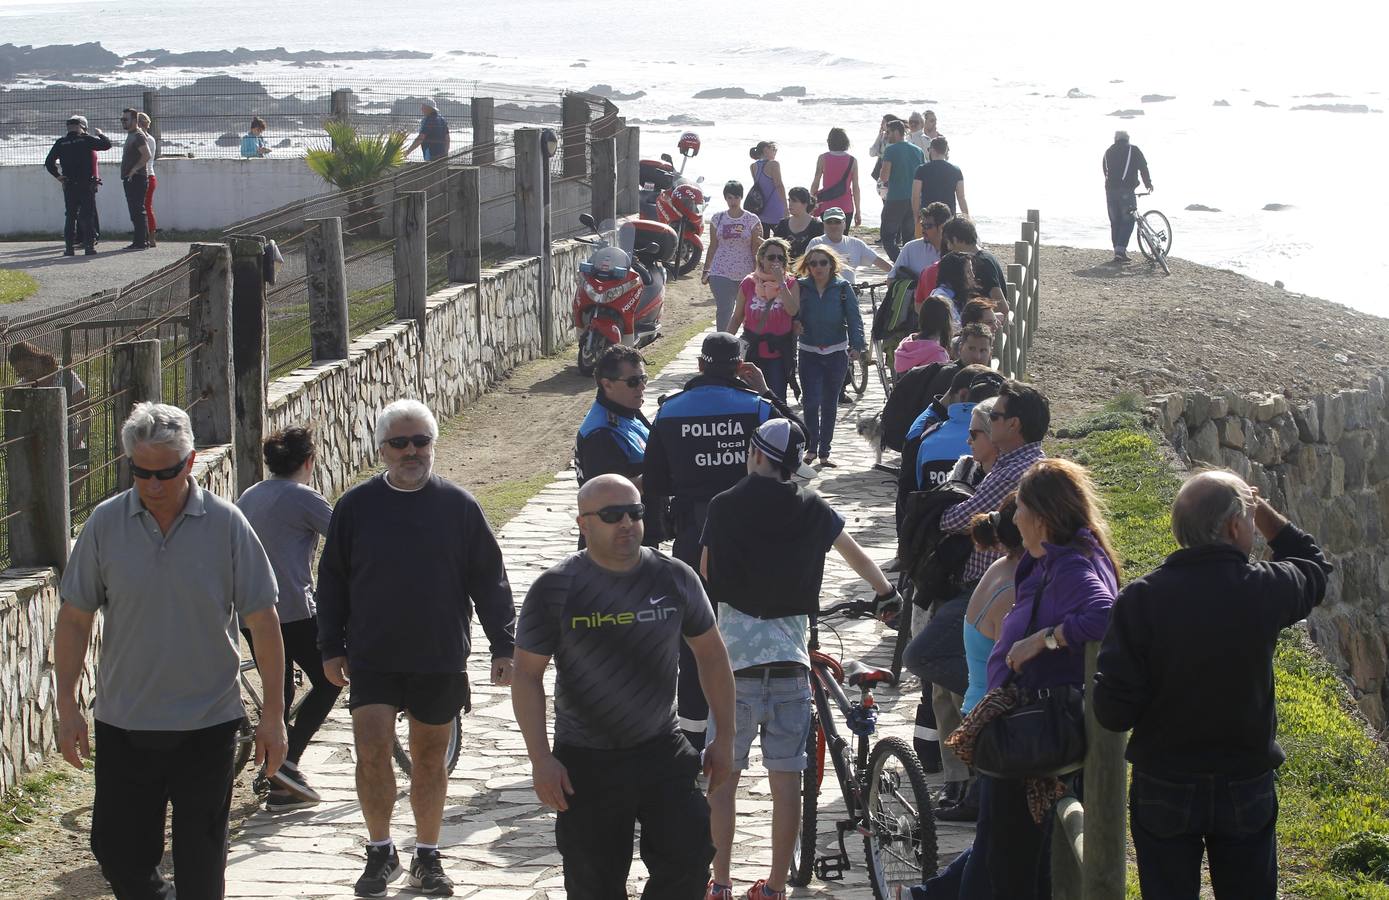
{"points": [[1070, 573]]}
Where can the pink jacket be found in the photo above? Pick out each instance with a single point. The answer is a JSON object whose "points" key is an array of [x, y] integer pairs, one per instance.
{"points": [[914, 351]]}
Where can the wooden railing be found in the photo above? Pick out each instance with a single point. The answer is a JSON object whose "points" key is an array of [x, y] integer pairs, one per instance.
{"points": [[1089, 840], [1024, 286]]}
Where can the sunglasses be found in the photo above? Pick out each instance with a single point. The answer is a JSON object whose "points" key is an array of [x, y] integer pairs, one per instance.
{"points": [[632, 381], [611, 515], [818, 263], [975, 433], [419, 440], [995, 416], [773, 257], [162, 474]]}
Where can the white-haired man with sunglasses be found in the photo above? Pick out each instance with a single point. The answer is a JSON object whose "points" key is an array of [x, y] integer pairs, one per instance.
{"points": [[407, 558], [170, 566], [613, 618]]}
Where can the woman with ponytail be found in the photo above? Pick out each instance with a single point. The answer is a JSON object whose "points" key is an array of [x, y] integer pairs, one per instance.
{"points": [[766, 177]]}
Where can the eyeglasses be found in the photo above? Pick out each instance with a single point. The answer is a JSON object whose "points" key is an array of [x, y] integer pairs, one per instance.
{"points": [[632, 381], [817, 263], [162, 474], [419, 440], [611, 515], [773, 257]]}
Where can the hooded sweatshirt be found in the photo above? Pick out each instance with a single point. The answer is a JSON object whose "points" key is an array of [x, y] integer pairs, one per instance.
{"points": [[918, 351]]}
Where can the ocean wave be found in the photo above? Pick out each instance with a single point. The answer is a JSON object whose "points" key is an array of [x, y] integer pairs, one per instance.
{"points": [[799, 56]]}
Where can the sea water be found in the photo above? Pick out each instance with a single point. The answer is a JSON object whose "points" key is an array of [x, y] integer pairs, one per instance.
{"points": [[997, 75]]}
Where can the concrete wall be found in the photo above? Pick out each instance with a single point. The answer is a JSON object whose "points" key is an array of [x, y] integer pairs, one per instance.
{"points": [[193, 194], [1324, 461]]}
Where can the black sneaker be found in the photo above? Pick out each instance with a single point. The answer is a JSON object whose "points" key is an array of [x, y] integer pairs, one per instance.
{"points": [[383, 867], [90, 251], [69, 252], [284, 801], [427, 874], [292, 780]]}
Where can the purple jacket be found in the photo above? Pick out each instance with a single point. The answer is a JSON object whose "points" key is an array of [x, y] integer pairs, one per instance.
{"points": [[1080, 589]]}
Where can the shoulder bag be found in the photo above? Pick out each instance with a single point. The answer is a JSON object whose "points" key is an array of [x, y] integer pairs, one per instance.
{"points": [[838, 189], [756, 200]]}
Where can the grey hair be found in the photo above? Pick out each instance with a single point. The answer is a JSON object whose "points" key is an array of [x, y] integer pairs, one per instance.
{"points": [[1121, 136], [1206, 504], [157, 423], [980, 414], [410, 410]]}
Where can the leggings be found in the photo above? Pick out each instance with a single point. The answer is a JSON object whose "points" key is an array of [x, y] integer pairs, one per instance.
{"points": [[149, 206], [301, 646]]}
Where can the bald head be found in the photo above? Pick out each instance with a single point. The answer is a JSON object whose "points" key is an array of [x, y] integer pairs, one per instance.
{"points": [[1206, 505], [607, 490]]}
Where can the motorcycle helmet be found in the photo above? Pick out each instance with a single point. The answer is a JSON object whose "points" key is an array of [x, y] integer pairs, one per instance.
{"points": [[689, 144], [689, 199], [606, 264]]}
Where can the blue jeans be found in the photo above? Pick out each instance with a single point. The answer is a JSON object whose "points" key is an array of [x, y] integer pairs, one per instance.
{"points": [[967, 877], [1233, 820], [774, 371], [1120, 222], [822, 378], [776, 707]]}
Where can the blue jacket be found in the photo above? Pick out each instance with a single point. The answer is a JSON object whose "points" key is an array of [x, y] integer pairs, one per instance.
{"points": [[832, 317], [611, 439], [698, 446], [942, 447]]}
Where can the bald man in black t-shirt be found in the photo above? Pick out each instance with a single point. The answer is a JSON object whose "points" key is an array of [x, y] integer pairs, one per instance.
{"points": [[612, 617]]}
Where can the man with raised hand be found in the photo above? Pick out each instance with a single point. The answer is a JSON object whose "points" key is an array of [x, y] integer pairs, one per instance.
{"points": [[407, 558], [170, 566], [613, 617]]}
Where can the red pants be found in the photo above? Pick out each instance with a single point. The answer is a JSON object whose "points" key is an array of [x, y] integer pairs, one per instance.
{"points": [[149, 205]]}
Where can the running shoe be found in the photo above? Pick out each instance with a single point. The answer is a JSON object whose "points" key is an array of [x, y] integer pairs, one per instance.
{"points": [[760, 891], [427, 874], [717, 891], [292, 780], [284, 801], [383, 867]]}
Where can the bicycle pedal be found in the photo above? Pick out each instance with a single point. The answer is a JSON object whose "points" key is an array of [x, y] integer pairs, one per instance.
{"points": [[831, 868]]}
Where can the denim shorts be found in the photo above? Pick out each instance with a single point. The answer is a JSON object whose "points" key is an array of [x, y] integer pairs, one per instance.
{"points": [[778, 707]]}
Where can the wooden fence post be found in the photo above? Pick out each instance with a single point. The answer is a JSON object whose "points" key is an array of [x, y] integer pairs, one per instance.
{"points": [[37, 471], [150, 101], [574, 135], [465, 226], [210, 333], [1017, 319], [327, 287], [629, 171], [341, 108], [411, 260], [529, 194], [604, 180], [483, 111], [249, 357], [136, 377], [1034, 218], [1105, 866]]}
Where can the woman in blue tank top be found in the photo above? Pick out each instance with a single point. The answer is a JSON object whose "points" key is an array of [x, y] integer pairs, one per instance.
{"points": [[766, 174], [993, 597]]}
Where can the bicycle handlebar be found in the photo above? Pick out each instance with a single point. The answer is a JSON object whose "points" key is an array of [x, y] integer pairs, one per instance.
{"points": [[851, 609]]}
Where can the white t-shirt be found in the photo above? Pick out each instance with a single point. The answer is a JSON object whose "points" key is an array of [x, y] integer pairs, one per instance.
{"points": [[851, 250], [918, 256]]}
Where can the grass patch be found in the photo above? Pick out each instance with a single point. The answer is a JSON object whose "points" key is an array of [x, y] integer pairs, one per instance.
{"points": [[500, 502], [16, 285], [668, 346], [1334, 788], [20, 805]]}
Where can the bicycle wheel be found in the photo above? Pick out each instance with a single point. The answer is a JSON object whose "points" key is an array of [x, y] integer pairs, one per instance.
{"points": [[900, 845], [1160, 232], [860, 375], [803, 853], [401, 748], [245, 745], [884, 370]]}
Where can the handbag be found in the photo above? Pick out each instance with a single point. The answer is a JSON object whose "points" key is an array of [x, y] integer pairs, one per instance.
{"points": [[1043, 736]]}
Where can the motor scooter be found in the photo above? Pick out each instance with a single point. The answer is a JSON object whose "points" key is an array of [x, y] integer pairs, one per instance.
{"points": [[669, 198], [621, 291]]}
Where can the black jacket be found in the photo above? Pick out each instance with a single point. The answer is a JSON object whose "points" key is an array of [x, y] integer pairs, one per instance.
{"points": [[1121, 170], [73, 153], [1188, 659]]}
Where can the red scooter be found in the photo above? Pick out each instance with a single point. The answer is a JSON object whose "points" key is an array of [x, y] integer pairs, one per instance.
{"points": [[620, 297], [668, 198]]}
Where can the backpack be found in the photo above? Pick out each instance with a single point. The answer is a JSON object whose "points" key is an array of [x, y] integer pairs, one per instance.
{"points": [[756, 200], [935, 561], [909, 399], [897, 315]]}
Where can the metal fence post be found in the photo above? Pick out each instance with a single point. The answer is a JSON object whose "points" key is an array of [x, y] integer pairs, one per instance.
{"points": [[210, 334], [136, 377], [482, 110], [327, 287], [249, 358], [37, 472], [465, 226]]}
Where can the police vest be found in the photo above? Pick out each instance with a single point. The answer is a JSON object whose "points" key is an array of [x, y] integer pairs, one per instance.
{"points": [[628, 433], [704, 432], [942, 444]]}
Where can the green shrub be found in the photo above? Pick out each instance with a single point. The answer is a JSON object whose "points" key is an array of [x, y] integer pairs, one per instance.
{"points": [[1367, 853]]}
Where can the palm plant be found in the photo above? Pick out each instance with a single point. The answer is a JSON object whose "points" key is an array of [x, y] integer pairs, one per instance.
{"points": [[353, 162]]}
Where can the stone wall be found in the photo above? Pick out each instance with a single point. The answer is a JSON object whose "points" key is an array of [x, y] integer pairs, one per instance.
{"points": [[29, 604], [1325, 462]]}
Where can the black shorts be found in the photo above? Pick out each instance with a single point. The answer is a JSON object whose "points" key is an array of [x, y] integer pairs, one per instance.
{"points": [[434, 698]]}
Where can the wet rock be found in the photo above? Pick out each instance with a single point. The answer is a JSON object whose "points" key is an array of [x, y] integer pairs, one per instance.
{"points": [[1127, 113], [1277, 207], [1221, 103], [1279, 285], [773, 98], [1155, 98], [1197, 207], [57, 59], [728, 93], [794, 90], [1077, 94], [1335, 107], [1263, 105], [612, 93], [228, 139]]}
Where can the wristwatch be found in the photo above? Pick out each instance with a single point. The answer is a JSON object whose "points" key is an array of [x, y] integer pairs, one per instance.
{"points": [[1049, 638]]}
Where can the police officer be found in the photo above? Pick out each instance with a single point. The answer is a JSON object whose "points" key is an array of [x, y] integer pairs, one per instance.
{"points": [[697, 449], [612, 437], [75, 153]]}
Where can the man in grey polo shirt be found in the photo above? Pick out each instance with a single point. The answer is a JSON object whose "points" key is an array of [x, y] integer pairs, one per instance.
{"points": [[171, 566]]}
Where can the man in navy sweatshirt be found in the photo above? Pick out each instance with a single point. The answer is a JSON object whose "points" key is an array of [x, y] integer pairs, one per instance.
{"points": [[1188, 665], [407, 558]]}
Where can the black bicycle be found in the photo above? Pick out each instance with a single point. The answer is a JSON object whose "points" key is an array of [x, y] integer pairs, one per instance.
{"points": [[246, 734], [884, 788]]}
